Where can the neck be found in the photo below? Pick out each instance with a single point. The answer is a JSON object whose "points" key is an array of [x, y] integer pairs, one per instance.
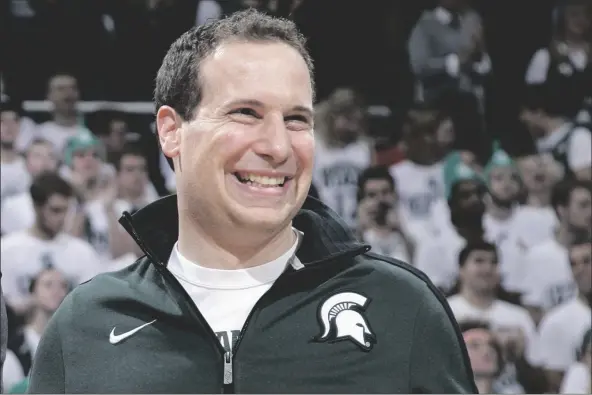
{"points": [[564, 236], [470, 232], [574, 40], [539, 199], [65, 119], [553, 124], [134, 198], [484, 384], [214, 251], [498, 212], [39, 233], [39, 321], [481, 300], [7, 155]]}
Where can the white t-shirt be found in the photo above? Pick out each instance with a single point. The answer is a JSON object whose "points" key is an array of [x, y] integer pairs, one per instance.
{"points": [[418, 187], [24, 256], [12, 371], [335, 175], [548, 279], [14, 178], [226, 297], [576, 380], [539, 64], [27, 133], [499, 315], [17, 213], [579, 149], [561, 334], [58, 135]]}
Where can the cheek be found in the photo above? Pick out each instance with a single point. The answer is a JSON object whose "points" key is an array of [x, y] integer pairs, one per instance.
{"points": [[304, 148]]}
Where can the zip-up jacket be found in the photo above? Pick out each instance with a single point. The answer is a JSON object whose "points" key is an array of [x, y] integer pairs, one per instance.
{"points": [[347, 321]]}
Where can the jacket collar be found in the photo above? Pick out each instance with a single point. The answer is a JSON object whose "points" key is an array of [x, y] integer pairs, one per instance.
{"points": [[156, 229]]}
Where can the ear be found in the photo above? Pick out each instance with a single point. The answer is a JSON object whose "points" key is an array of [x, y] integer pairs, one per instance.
{"points": [[168, 126]]}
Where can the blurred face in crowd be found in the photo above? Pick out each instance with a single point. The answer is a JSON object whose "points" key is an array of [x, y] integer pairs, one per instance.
{"points": [[52, 215], [577, 20], [578, 213], [115, 139], [133, 175], [9, 128], [63, 93], [581, 264], [467, 203], [504, 185], [445, 136], [537, 173], [535, 122], [480, 272], [379, 191], [50, 289], [423, 146], [40, 158], [482, 352], [246, 158], [87, 163]]}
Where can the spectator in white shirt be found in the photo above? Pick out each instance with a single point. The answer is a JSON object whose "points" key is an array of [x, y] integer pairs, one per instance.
{"points": [[18, 212], [548, 279], [478, 300], [577, 379], [24, 254], [14, 178], [548, 116], [563, 329], [66, 121]]}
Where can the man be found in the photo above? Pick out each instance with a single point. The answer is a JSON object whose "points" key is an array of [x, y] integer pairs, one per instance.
{"points": [[66, 121], [44, 245], [547, 278], [14, 178], [549, 119], [477, 299], [379, 223], [564, 327], [246, 287]]}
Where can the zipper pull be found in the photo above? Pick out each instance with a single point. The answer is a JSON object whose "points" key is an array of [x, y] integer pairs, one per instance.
{"points": [[227, 368]]}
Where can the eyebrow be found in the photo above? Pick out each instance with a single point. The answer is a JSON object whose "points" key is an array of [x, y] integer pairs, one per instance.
{"points": [[256, 103]]}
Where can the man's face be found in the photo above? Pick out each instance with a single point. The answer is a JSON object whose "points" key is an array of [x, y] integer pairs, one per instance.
{"points": [[86, 162], [348, 124], [63, 93], [9, 128], [133, 174], [577, 19], [578, 212], [52, 215], [504, 184], [41, 158], [379, 191], [480, 272], [581, 258], [246, 158], [51, 287], [116, 137], [535, 174], [534, 122], [469, 198]]}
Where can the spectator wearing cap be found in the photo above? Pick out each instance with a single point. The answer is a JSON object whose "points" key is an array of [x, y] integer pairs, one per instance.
{"points": [[14, 178], [563, 328], [18, 212], [478, 298], [549, 117], [547, 276], [437, 256]]}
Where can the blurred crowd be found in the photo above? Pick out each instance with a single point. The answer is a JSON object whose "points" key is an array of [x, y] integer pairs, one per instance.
{"points": [[501, 226]]}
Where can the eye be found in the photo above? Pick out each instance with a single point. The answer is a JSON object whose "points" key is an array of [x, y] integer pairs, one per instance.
{"points": [[246, 111], [298, 121]]}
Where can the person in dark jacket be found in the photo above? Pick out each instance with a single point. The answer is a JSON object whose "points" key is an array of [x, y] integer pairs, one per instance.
{"points": [[247, 285]]}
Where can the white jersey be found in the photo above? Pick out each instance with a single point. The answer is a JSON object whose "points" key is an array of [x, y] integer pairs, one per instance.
{"points": [[18, 213], [336, 173], [14, 178]]}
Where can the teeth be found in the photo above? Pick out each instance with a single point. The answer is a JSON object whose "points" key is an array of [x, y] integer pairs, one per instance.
{"points": [[263, 180]]}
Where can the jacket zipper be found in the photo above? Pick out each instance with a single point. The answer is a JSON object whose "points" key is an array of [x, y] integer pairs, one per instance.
{"points": [[227, 356]]}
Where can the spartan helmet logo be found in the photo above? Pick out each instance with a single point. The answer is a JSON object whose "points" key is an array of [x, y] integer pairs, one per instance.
{"points": [[341, 319]]}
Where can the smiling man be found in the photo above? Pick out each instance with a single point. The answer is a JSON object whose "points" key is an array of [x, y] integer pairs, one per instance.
{"points": [[246, 285]]}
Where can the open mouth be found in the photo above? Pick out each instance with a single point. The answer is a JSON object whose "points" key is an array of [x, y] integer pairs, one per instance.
{"points": [[261, 181]]}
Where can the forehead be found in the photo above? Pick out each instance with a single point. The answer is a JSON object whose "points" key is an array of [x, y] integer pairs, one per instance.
{"points": [[62, 81], [270, 72], [581, 250], [57, 200], [377, 183], [132, 159], [580, 194], [8, 116]]}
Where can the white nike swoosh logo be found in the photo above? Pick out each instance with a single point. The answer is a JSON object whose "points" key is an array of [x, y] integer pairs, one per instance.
{"points": [[114, 339]]}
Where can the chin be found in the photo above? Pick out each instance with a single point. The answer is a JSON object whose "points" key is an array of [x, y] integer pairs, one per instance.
{"points": [[262, 218]]}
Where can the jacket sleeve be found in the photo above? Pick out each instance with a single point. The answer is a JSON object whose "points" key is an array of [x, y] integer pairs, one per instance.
{"points": [[439, 358], [423, 62], [3, 334], [47, 374]]}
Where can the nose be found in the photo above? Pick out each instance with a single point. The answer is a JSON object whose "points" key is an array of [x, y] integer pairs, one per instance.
{"points": [[274, 143]]}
